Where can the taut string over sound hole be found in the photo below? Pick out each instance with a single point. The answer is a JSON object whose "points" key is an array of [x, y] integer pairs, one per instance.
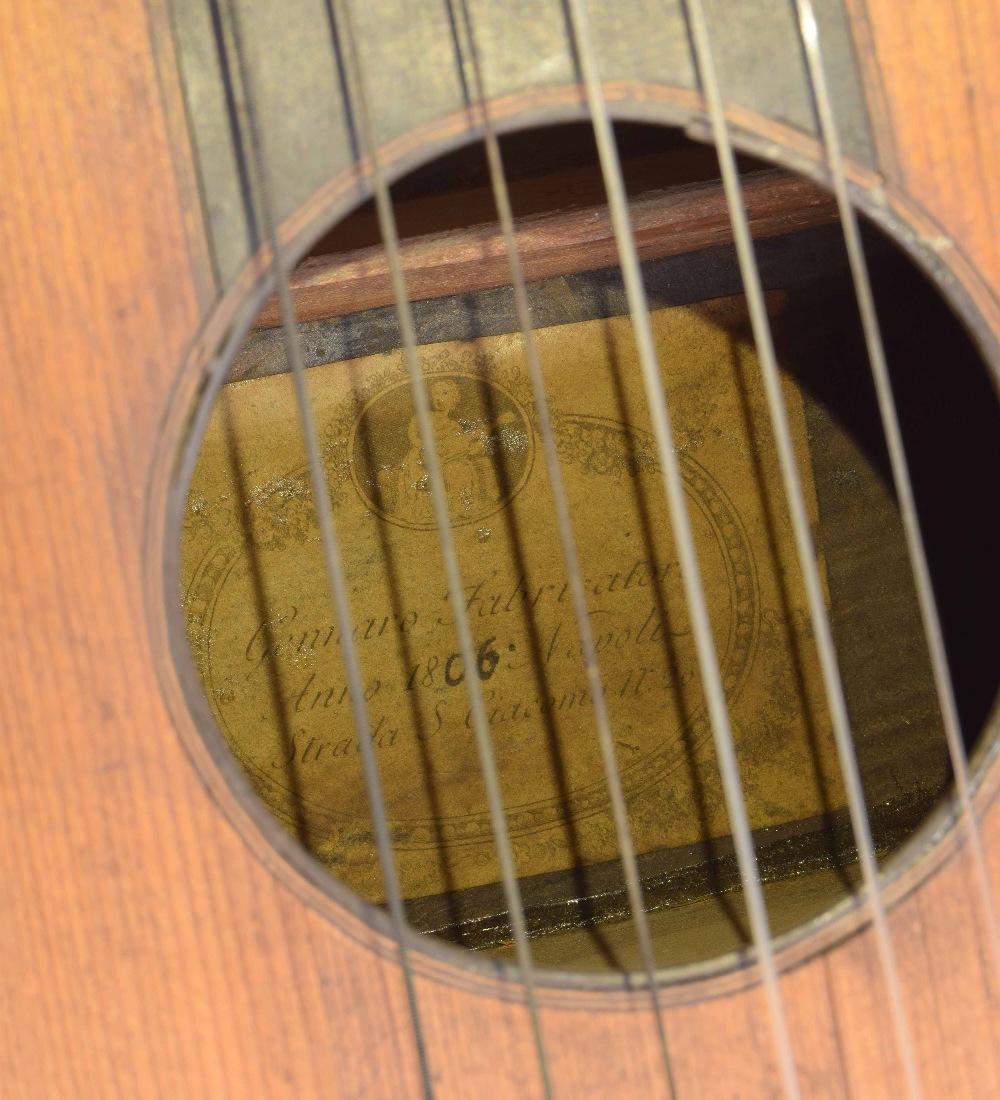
{"points": [[606, 715]]}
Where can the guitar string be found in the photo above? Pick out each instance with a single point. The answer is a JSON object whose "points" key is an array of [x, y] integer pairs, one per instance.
{"points": [[439, 499], [582, 40], [830, 133], [470, 64], [701, 41], [329, 539]]}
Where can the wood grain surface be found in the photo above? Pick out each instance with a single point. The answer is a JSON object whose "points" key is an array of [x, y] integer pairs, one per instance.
{"points": [[940, 86], [147, 950]]}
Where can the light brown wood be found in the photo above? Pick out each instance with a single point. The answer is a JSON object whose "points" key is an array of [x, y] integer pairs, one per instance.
{"points": [[151, 949], [945, 53], [666, 223]]}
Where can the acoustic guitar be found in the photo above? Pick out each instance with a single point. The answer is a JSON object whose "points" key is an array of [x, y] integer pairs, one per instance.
{"points": [[175, 177]]}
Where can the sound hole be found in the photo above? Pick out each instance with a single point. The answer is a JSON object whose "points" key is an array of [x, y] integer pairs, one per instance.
{"points": [[267, 644]]}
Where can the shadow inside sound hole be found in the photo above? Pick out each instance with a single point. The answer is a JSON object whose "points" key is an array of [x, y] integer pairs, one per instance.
{"points": [[792, 639], [263, 613], [408, 658], [536, 656], [950, 418], [683, 701]]}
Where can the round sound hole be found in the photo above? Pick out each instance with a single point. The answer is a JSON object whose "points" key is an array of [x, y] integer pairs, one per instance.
{"points": [[269, 648]]}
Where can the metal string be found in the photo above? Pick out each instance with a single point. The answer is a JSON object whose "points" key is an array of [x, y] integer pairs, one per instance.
{"points": [[439, 498], [698, 25], [470, 61], [694, 591], [331, 549], [830, 134]]}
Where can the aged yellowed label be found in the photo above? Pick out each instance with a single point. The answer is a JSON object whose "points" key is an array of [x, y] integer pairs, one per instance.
{"points": [[268, 647]]}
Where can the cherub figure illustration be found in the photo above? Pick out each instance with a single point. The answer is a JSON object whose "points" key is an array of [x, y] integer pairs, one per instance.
{"points": [[465, 452]]}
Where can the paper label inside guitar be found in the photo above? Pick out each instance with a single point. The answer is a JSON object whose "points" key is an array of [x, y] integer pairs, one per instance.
{"points": [[266, 642]]}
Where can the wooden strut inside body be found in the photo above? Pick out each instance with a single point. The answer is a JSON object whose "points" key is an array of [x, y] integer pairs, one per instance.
{"points": [[667, 222]]}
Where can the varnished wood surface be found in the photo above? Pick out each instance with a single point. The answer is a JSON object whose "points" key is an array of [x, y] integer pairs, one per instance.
{"points": [[940, 83], [666, 223], [146, 950]]}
